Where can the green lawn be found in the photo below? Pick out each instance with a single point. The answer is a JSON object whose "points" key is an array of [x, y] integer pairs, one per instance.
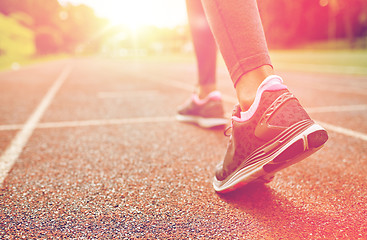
{"points": [[324, 61], [16, 42], [336, 62], [17, 48], [9, 62]]}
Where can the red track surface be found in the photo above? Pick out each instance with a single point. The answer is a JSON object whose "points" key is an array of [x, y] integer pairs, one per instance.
{"points": [[144, 175]]}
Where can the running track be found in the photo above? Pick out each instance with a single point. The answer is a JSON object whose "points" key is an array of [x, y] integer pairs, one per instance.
{"points": [[90, 149]]}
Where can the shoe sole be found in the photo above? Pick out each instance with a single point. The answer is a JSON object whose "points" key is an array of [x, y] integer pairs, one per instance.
{"points": [[291, 146], [202, 122]]}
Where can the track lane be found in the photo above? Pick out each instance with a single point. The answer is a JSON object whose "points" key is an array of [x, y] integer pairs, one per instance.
{"points": [[114, 178]]}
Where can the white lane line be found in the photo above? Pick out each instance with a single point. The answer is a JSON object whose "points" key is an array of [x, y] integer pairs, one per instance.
{"points": [[171, 82], [121, 121], [16, 146], [343, 131], [102, 122], [127, 94], [96, 122], [11, 127]]}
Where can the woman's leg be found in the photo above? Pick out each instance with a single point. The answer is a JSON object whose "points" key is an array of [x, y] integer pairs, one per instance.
{"points": [[205, 107], [271, 130], [237, 28], [205, 47]]}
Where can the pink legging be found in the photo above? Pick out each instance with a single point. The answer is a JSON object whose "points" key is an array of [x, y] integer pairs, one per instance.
{"points": [[238, 32]]}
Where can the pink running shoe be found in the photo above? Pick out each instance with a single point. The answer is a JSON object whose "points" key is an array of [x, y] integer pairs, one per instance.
{"points": [[206, 113], [274, 133]]}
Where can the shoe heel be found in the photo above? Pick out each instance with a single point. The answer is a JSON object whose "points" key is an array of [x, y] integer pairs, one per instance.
{"points": [[317, 139], [291, 152], [298, 151]]}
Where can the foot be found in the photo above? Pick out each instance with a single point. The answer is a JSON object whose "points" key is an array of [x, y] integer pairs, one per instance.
{"points": [[274, 133], [206, 113]]}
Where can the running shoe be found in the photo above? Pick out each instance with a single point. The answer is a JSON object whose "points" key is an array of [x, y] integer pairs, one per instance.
{"points": [[206, 113], [274, 133]]}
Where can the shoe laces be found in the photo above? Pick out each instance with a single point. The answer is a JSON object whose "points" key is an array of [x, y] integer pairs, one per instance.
{"points": [[226, 131]]}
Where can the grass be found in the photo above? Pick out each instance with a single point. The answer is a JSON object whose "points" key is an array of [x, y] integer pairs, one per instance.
{"points": [[318, 61], [16, 42], [17, 49], [16, 62], [17, 45], [344, 61], [324, 61]]}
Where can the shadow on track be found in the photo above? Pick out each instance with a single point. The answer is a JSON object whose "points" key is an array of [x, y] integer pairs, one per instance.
{"points": [[280, 214]]}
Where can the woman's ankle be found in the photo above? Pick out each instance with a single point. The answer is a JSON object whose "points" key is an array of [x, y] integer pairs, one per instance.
{"points": [[247, 85], [205, 90]]}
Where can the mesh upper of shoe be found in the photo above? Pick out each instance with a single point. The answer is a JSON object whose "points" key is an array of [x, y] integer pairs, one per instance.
{"points": [[210, 107], [244, 141]]}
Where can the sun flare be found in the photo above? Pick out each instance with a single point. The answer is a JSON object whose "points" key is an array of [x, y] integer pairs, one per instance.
{"points": [[138, 13]]}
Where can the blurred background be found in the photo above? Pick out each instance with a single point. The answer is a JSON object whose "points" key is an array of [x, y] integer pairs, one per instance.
{"points": [[43, 29]]}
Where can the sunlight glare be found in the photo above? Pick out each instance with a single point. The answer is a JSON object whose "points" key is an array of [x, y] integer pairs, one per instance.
{"points": [[138, 13]]}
